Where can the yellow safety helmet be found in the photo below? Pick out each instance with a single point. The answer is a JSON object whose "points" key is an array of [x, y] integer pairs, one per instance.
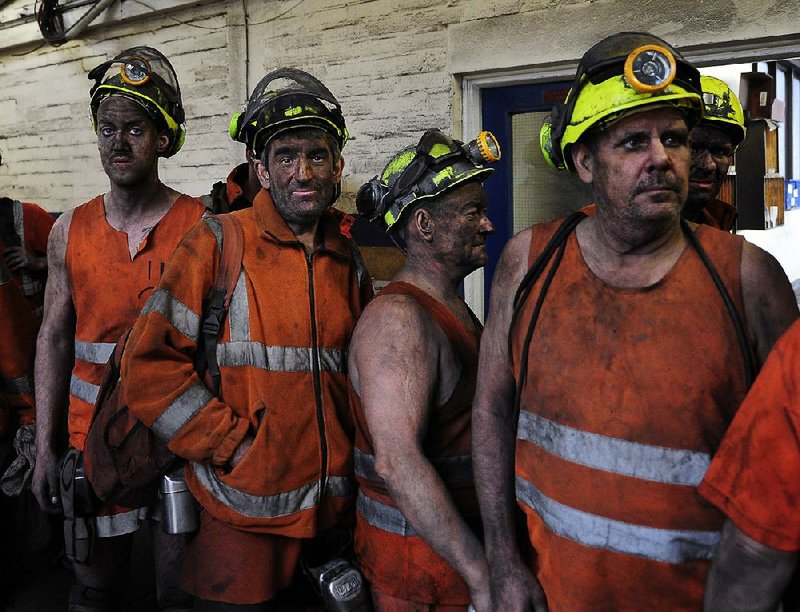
{"points": [[623, 72], [722, 108], [438, 163]]}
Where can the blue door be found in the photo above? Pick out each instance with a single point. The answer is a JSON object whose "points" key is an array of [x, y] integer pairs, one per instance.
{"points": [[524, 189]]}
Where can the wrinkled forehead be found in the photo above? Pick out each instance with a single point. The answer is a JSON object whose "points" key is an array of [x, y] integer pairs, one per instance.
{"points": [[300, 139], [706, 133], [646, 119]]}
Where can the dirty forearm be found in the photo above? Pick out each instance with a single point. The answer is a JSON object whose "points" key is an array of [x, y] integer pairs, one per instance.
{"points": [[746, 576]]}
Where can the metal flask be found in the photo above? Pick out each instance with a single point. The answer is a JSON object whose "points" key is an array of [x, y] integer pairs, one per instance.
{"points": [[179, 509]]}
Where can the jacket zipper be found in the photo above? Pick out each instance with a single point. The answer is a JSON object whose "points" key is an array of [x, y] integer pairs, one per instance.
{"points": [[315, 366]]}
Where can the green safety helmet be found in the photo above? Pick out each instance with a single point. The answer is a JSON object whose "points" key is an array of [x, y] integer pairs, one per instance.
{"points": [[146, 77], [304, 102], [722, 108], [621, 73], [437, 164]]}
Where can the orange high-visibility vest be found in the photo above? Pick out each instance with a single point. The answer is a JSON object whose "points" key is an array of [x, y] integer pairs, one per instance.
{"points": [[394, 559], [108, 291], [628, 395], [282, 358]]}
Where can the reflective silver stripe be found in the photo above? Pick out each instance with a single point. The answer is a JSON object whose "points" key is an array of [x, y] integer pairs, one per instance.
{"points": [[278, 358], [83, 390], [112, 525], [181, 411], [182, 318], [239, 311], [665, 545], [453, 470], [270, 506], [216, 227], [17, 386], [655, 463], [94, 352], [383, 517]]}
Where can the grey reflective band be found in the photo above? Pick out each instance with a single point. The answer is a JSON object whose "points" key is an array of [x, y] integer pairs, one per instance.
{"points": [[83, 390], [453, 470], [647, 462], [216, 227], [17, 386], [239, 311], [111, 525], [182, 318], [278, 358], [382, 516], [94, 352], [181, 411], [665, 545], [270, 506]]}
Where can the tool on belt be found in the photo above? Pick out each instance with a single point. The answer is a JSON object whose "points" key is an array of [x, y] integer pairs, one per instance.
{"points": [[79, 503]]}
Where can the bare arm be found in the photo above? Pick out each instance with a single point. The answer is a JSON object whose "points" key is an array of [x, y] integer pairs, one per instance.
{"points": [[747, 576], [54, 358], [494, 427], [397, 366], [769, 303]]}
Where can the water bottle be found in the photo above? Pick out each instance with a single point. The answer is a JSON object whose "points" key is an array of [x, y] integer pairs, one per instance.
{"points": [[179, 509]]}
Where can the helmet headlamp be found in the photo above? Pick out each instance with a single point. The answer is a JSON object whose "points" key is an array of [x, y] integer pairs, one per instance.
{"points": [[650, 68], [484, 148], [135, 71]]}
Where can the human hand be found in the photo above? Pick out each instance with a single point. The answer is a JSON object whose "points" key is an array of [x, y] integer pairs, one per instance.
{"points": [[18, 259], [45, 482], [515, 589]]}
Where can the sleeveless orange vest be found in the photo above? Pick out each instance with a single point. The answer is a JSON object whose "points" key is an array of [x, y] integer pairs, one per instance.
{"points": [[628, 395], [394, 559], [108, 291]]}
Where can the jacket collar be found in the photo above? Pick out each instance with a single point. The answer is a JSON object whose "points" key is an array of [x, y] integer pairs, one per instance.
{"points": [[270, 223]]}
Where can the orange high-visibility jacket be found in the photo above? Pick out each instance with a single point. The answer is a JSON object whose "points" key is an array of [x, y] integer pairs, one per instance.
{"points": [[628, 395], [282, 357], [18, 328], [394, 559], [108, 291]]}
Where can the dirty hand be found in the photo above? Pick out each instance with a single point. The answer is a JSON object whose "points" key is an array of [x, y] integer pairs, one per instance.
{"points": [[17, 259], [515, 589], [45, 482]]}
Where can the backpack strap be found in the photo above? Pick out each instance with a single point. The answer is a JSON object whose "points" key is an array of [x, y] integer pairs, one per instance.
{"points": [[219, 301]]}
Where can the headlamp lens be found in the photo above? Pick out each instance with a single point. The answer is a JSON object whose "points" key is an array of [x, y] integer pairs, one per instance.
{"points": [[484, 149], [650, 68], [135, 71]]}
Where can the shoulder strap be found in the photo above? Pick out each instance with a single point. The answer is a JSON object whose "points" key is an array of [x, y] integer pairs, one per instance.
{"points": [[557, 243], [220, 299], [750, 367]]}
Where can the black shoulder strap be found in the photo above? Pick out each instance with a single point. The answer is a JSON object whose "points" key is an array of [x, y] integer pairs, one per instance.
{"points": [[557, 243], [216, 307], [750, 367]]}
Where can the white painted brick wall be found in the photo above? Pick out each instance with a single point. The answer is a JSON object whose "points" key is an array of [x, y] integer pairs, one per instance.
{"points": [[390, 63]]}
